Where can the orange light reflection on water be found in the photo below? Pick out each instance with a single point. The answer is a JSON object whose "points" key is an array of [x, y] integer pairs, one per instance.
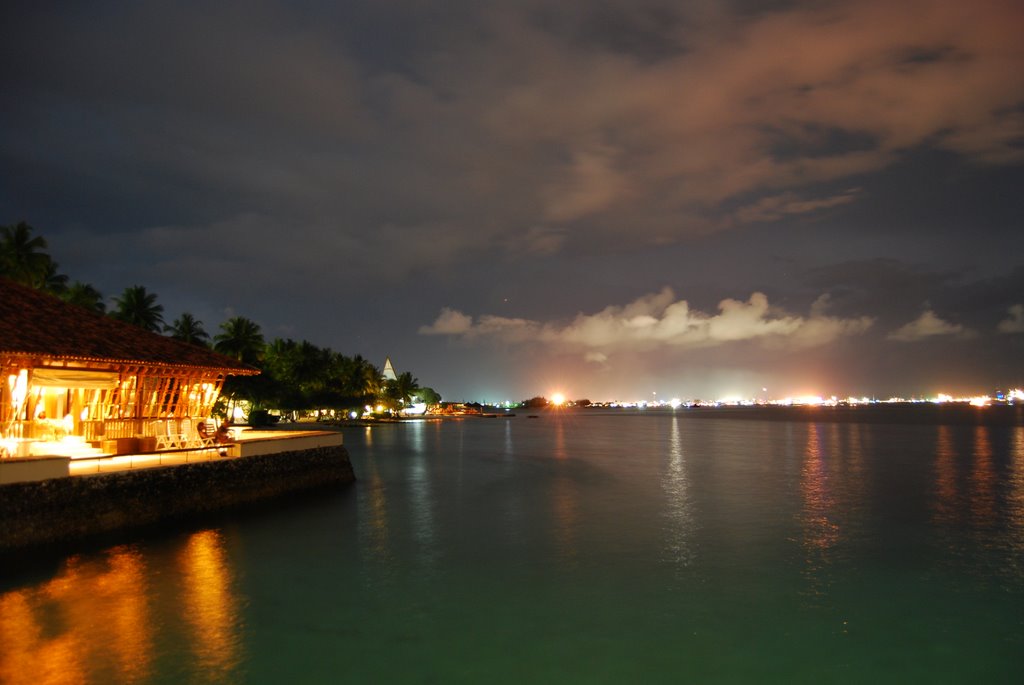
{"points": [[820, 532], [91, 620], [983, 481], [1015, 500], [947, 510], [210, 605]]}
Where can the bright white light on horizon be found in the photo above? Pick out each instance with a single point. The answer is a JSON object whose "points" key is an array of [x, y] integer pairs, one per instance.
{"points": [[807, 400], [416, 408], [558, 399]]}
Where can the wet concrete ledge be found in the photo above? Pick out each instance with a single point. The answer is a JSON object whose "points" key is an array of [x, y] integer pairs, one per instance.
{"points": [[64, 510]]}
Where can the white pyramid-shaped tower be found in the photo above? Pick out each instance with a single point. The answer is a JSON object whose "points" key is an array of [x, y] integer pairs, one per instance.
{"points": [[389, 371]]}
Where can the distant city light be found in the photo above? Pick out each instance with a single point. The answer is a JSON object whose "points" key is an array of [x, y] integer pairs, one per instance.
{"points": [[809, 399]]}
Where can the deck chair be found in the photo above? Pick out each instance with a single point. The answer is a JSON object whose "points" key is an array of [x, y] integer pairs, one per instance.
{"points": [[168, 436], [189, 438]]}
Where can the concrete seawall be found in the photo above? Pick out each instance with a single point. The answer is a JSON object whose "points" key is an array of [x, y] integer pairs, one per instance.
{"points": [[62, 510]]}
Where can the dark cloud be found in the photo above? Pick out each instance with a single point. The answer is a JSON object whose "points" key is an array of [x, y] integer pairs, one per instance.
{"points": [[352, 169]]}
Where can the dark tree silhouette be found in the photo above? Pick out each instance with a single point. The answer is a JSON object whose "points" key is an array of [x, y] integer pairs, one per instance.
{"points": [[84, 295], [138, 307], [240, 338], [188, 328], [23, 257]]}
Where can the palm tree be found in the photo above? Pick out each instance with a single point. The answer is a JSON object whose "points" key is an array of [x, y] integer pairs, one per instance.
{"points": [[84, 295], [398, 392], [361, 380], [53, 282], [303, 374], [138, 307], [240, 338], [22, 256], [188, 328]]}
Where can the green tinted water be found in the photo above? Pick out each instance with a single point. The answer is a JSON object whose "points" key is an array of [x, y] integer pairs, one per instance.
{"points": [[574, 548]]}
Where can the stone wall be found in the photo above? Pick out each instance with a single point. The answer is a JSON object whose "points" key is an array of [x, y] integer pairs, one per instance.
{"points": [[68, 509]]}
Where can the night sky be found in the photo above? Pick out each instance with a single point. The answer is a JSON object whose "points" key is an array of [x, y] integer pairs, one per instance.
{"points": [[611, 199]]}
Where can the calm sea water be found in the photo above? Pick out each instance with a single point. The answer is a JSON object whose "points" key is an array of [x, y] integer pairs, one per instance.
{"points": [[582, 548]]}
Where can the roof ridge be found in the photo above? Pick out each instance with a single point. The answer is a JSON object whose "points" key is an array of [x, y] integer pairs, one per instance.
{"points": [[34, 323]]}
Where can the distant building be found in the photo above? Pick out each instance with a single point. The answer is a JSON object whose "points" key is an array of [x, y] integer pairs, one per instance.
{"points": [[71, 375], [389, 370]]}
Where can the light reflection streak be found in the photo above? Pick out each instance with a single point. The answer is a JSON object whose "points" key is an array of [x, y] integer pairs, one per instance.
{"points": [[983, 481], [1015, 501], [94, 618], [416, 429], [564, 502], [28, 655], [211, 607], [421, 498], [509, 451], [676, 484], [514, 509], [374, 525], [947, 511], [853, 456], [820, 532], [560, 453]]}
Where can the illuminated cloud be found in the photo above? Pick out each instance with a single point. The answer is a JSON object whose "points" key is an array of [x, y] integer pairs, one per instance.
{"points": [[928, 325], [539, 240], [591, 122], [1014, 322], [449, 322], [777, 206], [762, 108], [590, 184], [660, 320]]}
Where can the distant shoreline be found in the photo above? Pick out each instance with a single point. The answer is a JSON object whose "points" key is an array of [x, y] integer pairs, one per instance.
{"points": [[910, 412], [926, 413]]}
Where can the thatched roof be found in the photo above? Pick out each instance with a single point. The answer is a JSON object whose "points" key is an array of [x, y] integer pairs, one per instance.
{"points": [[35, 324]]}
